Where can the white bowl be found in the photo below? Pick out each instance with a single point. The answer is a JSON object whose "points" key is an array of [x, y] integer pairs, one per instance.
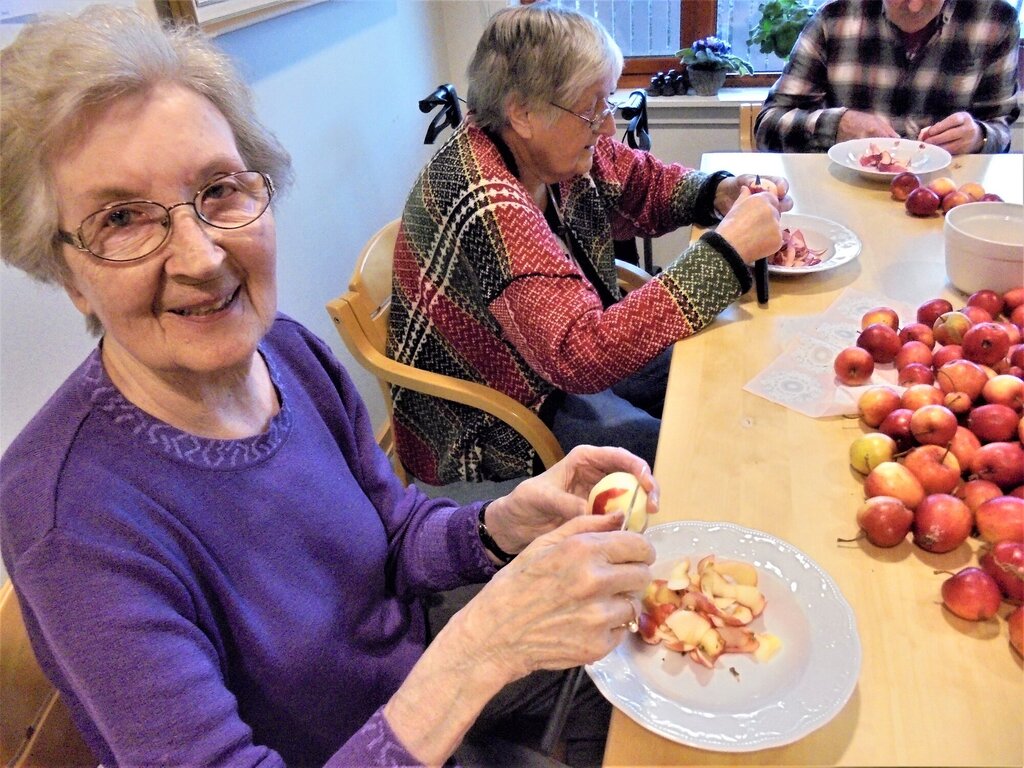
{"points": [[985, 246]]}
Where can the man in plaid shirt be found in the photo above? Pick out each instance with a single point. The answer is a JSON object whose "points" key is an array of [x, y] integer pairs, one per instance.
{"points": [[941, 71]]}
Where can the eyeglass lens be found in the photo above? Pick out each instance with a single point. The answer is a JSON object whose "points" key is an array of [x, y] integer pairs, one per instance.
{"points": [[134, 229]]}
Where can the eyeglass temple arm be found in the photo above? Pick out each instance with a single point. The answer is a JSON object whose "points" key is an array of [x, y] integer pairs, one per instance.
{"points": [[635, 110], [450, 114]]}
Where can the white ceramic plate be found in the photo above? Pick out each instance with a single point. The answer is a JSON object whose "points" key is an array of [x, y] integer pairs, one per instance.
{"points": [[765, 704], [839, 243], [918, 156]]}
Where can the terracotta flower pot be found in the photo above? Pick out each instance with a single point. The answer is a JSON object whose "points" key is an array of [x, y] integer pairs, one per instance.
{"points": [[706, 82]]}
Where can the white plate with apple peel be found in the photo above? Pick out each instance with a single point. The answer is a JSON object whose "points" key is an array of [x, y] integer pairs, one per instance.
{"points": [[831, 243], [741, 704], [882, 159]]}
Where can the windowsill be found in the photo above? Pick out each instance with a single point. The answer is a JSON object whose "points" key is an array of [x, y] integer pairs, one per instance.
{"points": [[727, 96]]}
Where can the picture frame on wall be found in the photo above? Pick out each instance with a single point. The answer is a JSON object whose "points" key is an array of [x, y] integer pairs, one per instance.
{"points": [[218, 16]]}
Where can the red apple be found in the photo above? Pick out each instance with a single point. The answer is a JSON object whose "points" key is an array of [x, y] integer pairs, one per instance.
{"points": [[876, 403], [961, 376], [963, 445], [1013, 298], [947, 354], [991, 197], [1012, 331], [1017, 316], [988, 300], [942, 523], [930, 311], [1015, 622], [942, 186], [918, 332], [884, 315], [893, 479], [897, 426], [973, 190], [1004, 562], [1001, 519], [885, 520], [922, 202], [1004, 389], [915, 373], [916, 396], [971, 594], [913, 352], [953, 199], [950, 327], [903, 184], [1002, 463], [854, 366], [992, 423], [986, 343], [1016, 355], [933, 425], [881, 341], [958, 402], [976, 314], [935, 466], [977, 492]]}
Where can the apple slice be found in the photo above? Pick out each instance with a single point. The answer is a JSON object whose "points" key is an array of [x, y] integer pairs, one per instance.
{"points": [[740, 573], [679, 578], [767, 646], [688, 626]]}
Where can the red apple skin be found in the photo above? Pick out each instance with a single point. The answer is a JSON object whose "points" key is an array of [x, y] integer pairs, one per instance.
{"points": [[1001, 519], [977, 492], [1004, 562], [976, 314], [1015, 621], [916, 396], [884, 315], [1016, 355], [958, 402], [935, 466], [915, 373], [942, 186], [942, 522], [893, 479], [988, 300], [1011, 330], [1002, 463], [991, 197], [992, 422], [913, 352], [973, 190], [903, 184], [853, 366], [922, 202], [961, 376], [953, 199], [964, 445], [897, 426], [1017, 316], [1004, 389], [918, 332], [950, 327], [881, 341], [971, 594], [934, 425], [931, 310], [986, 343], [885, 520], [947, 354], [876, 403], [1013, 298]]}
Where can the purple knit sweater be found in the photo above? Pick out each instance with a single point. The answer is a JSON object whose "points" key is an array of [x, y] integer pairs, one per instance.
{"points": [[230, 602]]}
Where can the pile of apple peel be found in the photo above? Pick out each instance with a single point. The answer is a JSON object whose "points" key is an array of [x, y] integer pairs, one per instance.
{"points": [[705, 613], [883, 160], [794, 251]]}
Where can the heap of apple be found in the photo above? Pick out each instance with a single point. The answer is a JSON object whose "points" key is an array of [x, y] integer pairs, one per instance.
{"points": [[940, 195], [943, 458]]}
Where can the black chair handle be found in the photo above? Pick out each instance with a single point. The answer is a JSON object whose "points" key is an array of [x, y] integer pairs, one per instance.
{"points": [[449, 115], [638, 135]]}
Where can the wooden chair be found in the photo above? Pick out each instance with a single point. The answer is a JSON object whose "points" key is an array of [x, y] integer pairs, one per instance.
{"points": [[35, 725], [748, 115], [361, 317]]}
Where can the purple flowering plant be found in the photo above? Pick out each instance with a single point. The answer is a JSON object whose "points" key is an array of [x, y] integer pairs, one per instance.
{"points": [[712, 53]]}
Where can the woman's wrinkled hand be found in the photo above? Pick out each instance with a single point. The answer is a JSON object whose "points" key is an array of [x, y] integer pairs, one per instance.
{"points": [[564, 601], [728, 191], [540, 504], [752, 226]]}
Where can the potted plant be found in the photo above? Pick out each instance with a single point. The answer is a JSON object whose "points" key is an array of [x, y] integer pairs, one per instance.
{"points": [[780, 25], [708, 61]]}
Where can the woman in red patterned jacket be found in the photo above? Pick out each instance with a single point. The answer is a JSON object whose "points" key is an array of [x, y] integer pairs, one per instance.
{"points": [[504, 268]]}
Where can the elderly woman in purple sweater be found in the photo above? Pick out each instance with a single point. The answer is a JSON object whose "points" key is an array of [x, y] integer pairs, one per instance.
{"points": [[214, 562]]}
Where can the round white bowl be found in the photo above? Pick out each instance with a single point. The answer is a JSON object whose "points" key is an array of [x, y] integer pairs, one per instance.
{"points": [[985, 246]]}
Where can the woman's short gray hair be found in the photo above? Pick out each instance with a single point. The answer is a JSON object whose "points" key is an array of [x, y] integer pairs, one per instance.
{"points": [[537, 53], [57, 69]]}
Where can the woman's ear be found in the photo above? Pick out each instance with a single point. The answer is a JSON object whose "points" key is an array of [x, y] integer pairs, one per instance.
{"points": [[520, 116], [77, 297]]}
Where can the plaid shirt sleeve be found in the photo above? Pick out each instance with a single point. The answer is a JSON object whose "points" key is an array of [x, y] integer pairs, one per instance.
{"points": [[851, 57]]}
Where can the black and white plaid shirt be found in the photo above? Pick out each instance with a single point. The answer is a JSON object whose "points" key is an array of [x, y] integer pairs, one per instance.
{"points": [[851, 56]]}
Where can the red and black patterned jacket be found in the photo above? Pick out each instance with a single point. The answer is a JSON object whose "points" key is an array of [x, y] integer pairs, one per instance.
{"points": [[485, 291]]}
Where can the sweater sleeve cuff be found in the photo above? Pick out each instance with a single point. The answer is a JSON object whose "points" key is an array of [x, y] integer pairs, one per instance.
{"points": [[705, 214], [373, 744], [741, 270]]}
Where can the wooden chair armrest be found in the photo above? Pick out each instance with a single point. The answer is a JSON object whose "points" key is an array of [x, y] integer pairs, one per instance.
{"points": [[630, 276]]}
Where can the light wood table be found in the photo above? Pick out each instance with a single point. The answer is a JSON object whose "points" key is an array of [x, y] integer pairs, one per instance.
{"points": [[934, 690]]}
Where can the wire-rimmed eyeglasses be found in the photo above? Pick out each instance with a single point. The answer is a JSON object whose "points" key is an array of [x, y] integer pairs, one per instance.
{"points": [[597, 120], [132, 230]]}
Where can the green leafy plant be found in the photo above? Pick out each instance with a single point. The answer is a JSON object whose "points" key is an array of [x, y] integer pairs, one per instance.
{"points": [[780, 25], [711, 53]]}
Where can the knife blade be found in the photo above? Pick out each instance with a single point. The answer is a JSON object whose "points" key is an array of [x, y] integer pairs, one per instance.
{"points": [[629, 507]]}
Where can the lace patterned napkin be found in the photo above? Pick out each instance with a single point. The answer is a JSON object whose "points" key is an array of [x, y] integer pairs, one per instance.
{"points": [[802, 377]]}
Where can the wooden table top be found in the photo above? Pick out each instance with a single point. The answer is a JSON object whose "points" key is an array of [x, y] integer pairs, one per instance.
{"points": [[933, 689]]}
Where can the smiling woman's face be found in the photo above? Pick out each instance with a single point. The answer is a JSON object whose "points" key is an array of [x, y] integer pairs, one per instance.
{"points": [[199, 304]]}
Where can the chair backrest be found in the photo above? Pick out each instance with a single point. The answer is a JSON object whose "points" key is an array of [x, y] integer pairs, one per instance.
{"points": [[361, 317], [35, 725], [748, 114]]}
